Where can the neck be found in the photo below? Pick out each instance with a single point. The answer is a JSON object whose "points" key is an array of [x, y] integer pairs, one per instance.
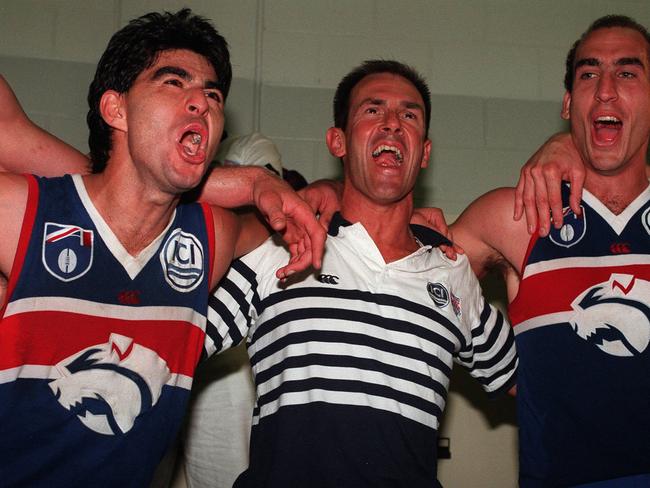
{"points": [[387, 225], [616, 192], [135, 213]]}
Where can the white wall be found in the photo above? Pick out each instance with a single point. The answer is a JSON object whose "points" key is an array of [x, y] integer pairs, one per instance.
{"points": [[495, 68]]}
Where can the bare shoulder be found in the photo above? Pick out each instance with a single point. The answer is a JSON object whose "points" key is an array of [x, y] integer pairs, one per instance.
{"points": [[488, 233], [13, 193], [227, 228]]}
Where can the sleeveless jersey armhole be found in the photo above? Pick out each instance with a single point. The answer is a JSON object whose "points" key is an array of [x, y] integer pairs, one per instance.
{"points": [[24, 238], [513, 306], [209, 229]]}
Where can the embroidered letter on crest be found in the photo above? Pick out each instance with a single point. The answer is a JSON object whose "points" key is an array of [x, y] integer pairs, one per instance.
{"points": [[182, 261]]}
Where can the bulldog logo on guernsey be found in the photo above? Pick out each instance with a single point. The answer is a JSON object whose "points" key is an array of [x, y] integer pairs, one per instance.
{"points": [[67, 250], [108, 385], [182, 261], [572, 231], [615, 315]]}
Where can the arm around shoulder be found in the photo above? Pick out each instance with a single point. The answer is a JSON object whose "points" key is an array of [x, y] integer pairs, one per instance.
{"points": [[26, 148]]}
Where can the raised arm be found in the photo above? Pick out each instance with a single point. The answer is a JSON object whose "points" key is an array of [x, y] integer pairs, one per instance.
{"points": [[26, 148], [280, 206]]}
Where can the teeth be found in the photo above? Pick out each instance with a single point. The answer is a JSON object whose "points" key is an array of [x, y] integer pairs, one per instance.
{"points": [[191, 142], [386, 148], [608, 119]]}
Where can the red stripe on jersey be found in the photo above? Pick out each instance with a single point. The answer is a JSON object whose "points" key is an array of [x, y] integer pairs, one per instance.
{"points": [[23, 240], [34, 338], [553, 291], [209, 230]]}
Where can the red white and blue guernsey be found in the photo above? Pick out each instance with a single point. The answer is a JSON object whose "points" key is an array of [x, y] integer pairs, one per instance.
{"points": [[97, 348], [582, 325]]}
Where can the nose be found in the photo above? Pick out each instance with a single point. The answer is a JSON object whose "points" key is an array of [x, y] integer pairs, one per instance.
{"points": [[196, 101], [392, 122], [606, 90]]}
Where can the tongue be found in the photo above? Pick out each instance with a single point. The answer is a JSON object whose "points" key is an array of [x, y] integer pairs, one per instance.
{"points": [[387, 158], [189, 146], [606, 133]]}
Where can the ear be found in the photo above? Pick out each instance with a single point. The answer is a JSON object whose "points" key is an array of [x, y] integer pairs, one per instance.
{"points": [[335, 138], [113, 111], [566, 105], [426, 153]]}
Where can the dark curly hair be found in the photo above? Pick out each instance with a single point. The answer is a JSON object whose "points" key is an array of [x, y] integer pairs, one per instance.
{"points": [[135, 48], [605, 22], [371, 67]]}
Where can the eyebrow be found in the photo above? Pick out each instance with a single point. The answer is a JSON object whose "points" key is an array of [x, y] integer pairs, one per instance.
{"points": [[381, 101], [183, 74], [630, 61], [619, 62]]}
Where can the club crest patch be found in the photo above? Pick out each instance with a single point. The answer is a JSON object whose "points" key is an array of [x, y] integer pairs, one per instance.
{"points": [[572, 231], [67, 250], [439, 294], [645, 218], [182, 261]]}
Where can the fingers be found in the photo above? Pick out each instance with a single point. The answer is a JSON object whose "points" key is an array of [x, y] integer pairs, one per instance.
{"points": [[437, 220], [529, 202], [555, 201], [457, 247], [325, 217], [300, 259], [323, 200], [270, 205], [540, 183], [577, 180], [449, 251], [431, 217], [316, 239], [519, 194]]}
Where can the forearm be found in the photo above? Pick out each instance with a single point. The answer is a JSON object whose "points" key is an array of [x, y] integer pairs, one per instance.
{"points": [[232, 187]]}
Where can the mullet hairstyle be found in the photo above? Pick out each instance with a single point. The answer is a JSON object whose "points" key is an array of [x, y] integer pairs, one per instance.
{"points": [[136, 47]]}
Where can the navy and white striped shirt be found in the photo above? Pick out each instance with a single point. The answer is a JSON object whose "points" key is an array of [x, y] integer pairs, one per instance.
{"points": [[352, 363]]}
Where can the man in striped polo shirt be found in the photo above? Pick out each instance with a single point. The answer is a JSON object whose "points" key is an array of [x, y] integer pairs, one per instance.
{"points": [[352, 362]]}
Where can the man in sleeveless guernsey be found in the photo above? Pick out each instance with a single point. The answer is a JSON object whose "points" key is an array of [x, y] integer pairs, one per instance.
{"points": [[109, 274], [352, 362], [580, 296]]}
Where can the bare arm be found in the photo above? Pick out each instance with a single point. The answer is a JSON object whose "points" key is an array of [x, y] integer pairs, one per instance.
{"points": [[491, 238], [282, 208], [26, 148]]}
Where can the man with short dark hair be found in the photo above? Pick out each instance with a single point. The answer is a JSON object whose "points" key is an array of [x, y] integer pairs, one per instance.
{"points": [[352, 363], [105, 315], [580, 296]]}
